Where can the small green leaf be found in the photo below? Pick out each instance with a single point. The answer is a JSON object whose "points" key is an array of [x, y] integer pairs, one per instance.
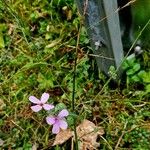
{"points": [[130, 72], [131, 59], [59, 107], [136, 67], [148, 88], [135, 78], [45, 82], [2, 45], [71, 119], [145, 76], [133, 70], [125, 65], [141, 73]]}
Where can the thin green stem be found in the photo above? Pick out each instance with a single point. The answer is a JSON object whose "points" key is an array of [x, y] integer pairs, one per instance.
{"points": [[74, 89], [74, 72]]}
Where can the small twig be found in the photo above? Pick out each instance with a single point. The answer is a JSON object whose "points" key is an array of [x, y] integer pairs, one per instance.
{"points": [[120, 138], [101, 56], [72, 148], [127, 4], [85, 7], [106, 142], [141, 105], [15, 123]]}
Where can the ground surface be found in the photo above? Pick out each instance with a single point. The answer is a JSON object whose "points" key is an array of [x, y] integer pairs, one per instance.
{"points": [[38, 43]]}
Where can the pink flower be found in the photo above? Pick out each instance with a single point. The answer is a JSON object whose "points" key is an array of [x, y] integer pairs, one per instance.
{"points": [[39, 104], [58, 121]]}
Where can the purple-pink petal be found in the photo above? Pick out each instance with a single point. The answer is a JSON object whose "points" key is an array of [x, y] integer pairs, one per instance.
{"points": [[63, 124], [36, 108], [63, 113], [48, 106], [55, 128], [34, 100], [44, 97], [50, 120]]}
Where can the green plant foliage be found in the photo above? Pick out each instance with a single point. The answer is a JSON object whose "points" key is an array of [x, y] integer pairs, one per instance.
{"points": [[131, 65], [46, 81], [112, 72], [134, 72], [138, 135], [38, 43]]}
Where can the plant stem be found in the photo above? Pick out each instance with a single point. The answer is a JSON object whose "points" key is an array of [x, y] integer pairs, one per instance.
{"points": [[74, 71], [74, 89]]}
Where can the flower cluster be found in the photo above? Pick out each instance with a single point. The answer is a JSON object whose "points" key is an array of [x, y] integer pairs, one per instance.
{"points": [[58, 121]]}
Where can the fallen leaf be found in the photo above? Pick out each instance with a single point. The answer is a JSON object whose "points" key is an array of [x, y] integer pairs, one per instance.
{"points": [[63, 136], [87, 133]]}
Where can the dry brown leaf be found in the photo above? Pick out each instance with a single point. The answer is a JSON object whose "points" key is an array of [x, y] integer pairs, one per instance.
{"points": [[63, 136], [88, 132]]}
